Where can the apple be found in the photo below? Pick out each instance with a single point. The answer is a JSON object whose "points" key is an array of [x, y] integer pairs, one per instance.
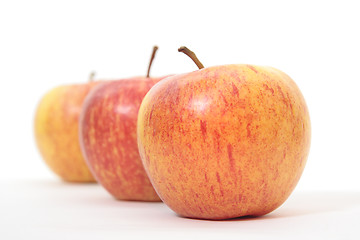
{"points": [[56, 128], [108, 137], [224, 141]]}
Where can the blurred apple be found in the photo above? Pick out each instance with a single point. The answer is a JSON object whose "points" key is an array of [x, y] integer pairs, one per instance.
{"points": [[225, 141], [108, 137], [57, 128]]}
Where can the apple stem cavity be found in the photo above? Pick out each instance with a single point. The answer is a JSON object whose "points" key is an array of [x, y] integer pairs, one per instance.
{"points": [[192, 55], [155, 48], [92, 76]]}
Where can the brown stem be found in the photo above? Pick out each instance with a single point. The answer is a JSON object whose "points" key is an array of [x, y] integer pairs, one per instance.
{"points": [[192, 55], [155, 48], [92, 76]]}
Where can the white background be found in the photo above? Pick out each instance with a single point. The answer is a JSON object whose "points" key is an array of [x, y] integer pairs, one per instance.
{"points": [[44, 44]]}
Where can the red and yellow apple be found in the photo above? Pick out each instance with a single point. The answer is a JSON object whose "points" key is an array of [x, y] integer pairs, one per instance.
{"points": [[108, 137], [224, 141], [56, 131]]}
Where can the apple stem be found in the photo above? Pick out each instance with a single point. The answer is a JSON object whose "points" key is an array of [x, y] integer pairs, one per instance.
{"points": [[92, 76], [192, 55], [155, 48]]}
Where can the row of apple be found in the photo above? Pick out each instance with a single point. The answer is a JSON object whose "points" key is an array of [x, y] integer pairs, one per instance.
{"points": [[217, 143]]}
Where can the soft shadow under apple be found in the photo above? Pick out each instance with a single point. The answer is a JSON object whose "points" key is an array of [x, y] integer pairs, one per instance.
{"points": [[307, 203]]}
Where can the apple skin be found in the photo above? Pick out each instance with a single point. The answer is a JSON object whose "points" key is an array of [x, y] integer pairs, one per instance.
{"points": [[108, 138], [56, 128], [225, 141]]}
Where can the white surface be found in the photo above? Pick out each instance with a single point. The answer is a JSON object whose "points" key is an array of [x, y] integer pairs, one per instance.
{"points": [[44, 44], [40, 209]]}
